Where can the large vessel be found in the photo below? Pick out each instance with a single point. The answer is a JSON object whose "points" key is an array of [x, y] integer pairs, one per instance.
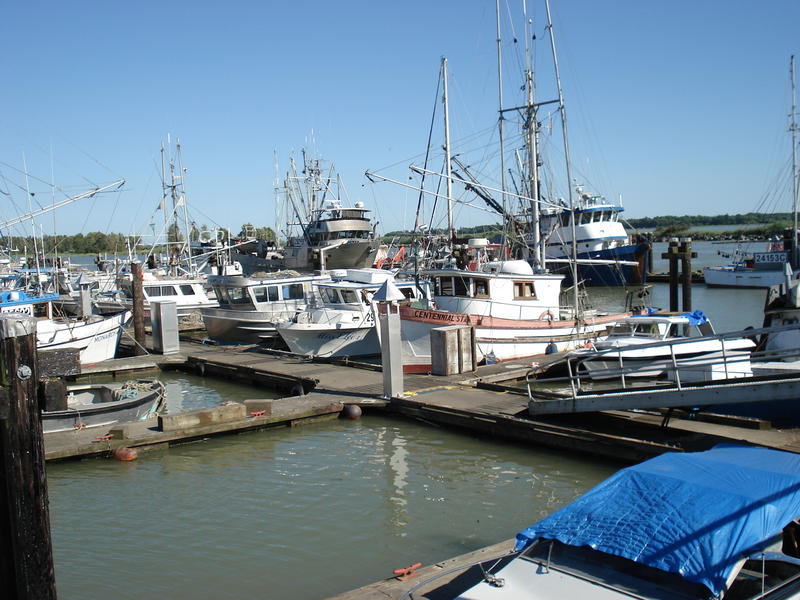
{"points": [[322, 231], [607, 254]]}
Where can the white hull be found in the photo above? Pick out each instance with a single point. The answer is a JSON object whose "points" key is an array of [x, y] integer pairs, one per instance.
{"points": [[312, 339], [97, 339], [741, 278]]}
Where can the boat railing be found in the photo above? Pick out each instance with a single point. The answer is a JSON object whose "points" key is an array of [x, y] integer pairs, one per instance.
{"points": [[675, 366]]}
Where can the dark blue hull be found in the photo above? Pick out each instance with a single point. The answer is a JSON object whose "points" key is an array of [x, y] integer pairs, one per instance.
{"points": [[611, 274]]}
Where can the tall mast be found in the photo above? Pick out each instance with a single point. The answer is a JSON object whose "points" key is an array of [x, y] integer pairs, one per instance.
{"points": [[567, 159], [793, 128], [500, 113], [447, 168], [533, 159]]}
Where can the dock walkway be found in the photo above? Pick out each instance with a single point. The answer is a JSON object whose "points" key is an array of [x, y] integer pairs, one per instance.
{"points": [[485, 403]]}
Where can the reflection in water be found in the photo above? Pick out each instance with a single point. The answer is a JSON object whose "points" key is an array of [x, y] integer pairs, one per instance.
{"points": [[297, 512]]}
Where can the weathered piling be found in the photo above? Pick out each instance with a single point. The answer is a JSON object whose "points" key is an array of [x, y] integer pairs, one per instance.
{"points": [[138, 308], [26, 554], [686, 255], [680, 255]]}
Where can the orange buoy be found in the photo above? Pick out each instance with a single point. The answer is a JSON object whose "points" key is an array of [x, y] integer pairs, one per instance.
{"points": [[124, 453], [351, 411]]}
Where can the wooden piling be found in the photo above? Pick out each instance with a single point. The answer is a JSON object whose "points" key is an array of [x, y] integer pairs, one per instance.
{"points": [[138, 308], [686, 255], [26, 554], [672, 255]]}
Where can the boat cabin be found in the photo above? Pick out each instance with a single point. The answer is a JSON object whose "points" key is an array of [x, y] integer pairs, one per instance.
{"points": [[660, 328], [258, 293]]}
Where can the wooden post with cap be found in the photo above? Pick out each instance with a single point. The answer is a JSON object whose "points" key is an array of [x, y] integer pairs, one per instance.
{"points": [[26, 553]]}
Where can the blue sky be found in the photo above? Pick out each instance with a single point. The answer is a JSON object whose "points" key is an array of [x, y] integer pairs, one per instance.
{"points": [[679, 107]]}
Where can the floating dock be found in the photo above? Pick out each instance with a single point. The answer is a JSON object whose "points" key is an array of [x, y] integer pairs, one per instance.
{"points": [[487, 402]]}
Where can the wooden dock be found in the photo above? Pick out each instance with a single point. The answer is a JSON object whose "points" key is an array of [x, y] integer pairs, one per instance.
{"points": [[486, 402]]}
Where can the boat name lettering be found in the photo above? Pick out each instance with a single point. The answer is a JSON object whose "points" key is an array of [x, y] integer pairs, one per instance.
{"points": [[25, 309], [438, 316]]}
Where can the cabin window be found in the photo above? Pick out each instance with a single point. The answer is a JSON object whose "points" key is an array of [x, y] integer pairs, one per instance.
{"points": [[461, 287], [187, 290], [237, 295], [445, 286], [221, 294], [160, 290], [523, 290], [329, 296], [756, 576], [349, 296], [266, 293], [293, 291], [481, 288], [40, 310]]}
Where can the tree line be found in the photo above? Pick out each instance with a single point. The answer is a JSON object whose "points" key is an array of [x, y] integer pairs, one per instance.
{"points": [[97, 242]]}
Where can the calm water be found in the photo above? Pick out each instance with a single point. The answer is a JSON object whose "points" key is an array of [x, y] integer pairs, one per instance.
{"points": [[298, 513]]}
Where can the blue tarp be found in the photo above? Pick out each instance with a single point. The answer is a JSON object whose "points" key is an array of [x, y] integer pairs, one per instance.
{"points": [[693, 514], [696, 317]]}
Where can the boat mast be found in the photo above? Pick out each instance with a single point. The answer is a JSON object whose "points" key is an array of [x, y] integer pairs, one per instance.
{"points": [[532, 124], [793, 129], [563, 112], [447, 167], [501, 117]]}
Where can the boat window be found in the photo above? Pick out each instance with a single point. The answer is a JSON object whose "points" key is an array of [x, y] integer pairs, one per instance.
{"points": [[221, 294], [264, 293], [757, 577], [293, 291], [481, 288], [349, 296], [40, 310], [523, 290], [622, 329], [237, 295], [160, 290], [565, 219], [329, 296], [444, 286], [462, 286], [187, 290]]}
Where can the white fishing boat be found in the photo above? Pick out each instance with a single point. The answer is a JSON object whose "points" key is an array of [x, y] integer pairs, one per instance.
{"points": [[249, 307], [515, 313], [344, 322], [96, 336], [716, 524], [654, 344], [188, 294]]}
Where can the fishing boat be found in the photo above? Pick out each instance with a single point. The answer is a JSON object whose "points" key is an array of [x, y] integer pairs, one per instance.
{"points": [[322, 231], [607, 254], [344, 322], [187, 293], [96, 336], [654, 344], [716, 524], [515, 313], [249, 307], [100, 405]]}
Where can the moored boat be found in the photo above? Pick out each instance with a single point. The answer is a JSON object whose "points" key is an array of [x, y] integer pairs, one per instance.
{"points": [[101, 405]]}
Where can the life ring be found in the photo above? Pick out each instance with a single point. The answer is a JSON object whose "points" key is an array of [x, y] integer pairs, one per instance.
{"points": [[547, 316]]}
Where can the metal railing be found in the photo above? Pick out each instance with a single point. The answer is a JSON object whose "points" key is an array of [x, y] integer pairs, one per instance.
{"points": [[669, 363]]}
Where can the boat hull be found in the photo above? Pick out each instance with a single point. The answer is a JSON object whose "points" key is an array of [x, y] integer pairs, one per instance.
{"points": [[97, 338], [91, 406], [735, 277], [242, 326], [312, 339], [498, 339], [611, 274]]}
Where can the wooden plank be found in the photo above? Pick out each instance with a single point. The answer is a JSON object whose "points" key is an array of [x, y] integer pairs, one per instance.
{"points": [[58, 363]]}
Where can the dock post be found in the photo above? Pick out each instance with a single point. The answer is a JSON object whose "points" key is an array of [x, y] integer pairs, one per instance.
{"points": [[686, 255], [391, 350], [138, 308], [26, 552], [672, 256]]}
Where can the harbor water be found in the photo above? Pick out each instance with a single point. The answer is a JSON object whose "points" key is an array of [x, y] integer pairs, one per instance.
{"points": [[301, 513], [309, 512]]}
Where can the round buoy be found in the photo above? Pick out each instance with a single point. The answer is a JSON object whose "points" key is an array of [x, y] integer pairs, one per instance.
{"points": [[551, 348], [351, 411], [124, 453], [296, 389]]}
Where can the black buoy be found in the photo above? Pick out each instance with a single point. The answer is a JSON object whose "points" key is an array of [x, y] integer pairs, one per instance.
{"points": [[351, 411], [296, 389], [551, 348]]}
